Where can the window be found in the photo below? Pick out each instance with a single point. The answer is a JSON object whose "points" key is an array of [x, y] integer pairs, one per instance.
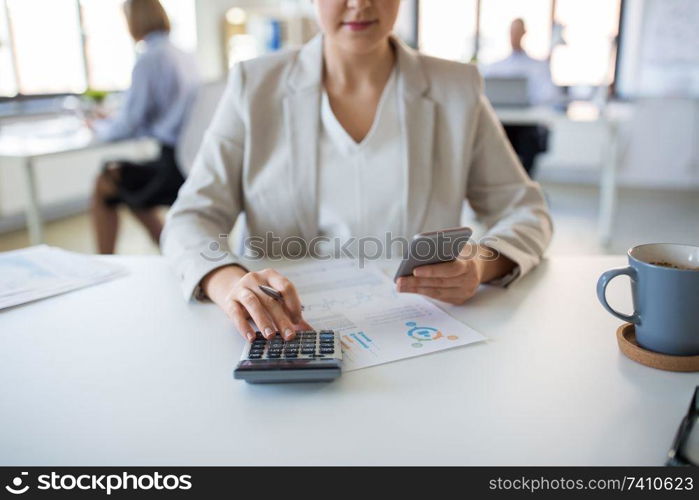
{"points": [[577, 36], [447, 28], [495, 20], [68, 46], [46, 36], [183, 29], [108, 45], [8, 87], [589, 29]]}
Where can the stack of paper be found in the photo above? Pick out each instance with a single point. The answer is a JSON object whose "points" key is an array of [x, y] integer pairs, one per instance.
{"points": [[38, 272]]}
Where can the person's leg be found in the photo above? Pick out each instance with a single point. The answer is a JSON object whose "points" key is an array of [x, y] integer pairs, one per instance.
{"points": [[151, 221], [105, 219]]}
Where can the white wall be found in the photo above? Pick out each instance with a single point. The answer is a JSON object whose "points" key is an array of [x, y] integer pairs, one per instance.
{"points": [[662, 144], [659, 147]]}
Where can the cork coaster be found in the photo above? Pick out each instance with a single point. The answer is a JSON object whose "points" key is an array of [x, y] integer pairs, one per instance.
{"points": [[626, 337]]}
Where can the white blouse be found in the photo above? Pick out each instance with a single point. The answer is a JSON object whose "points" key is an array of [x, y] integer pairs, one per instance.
{"points": [[356, 175]]}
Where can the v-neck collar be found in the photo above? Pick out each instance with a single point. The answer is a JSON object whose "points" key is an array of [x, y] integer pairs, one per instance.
{"points": [[337, 132]]}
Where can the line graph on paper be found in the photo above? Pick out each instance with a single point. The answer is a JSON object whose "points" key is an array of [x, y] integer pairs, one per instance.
{"points": [[347, 302]]}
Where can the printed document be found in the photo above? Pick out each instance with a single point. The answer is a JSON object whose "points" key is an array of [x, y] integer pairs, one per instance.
{"points": [[376, 324], [38, 272]]}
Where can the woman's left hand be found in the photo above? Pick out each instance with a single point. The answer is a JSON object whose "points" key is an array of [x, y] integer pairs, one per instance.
{"points": [[454, 282]]}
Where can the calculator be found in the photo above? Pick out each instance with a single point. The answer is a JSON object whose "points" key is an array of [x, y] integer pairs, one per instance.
{"points": [[311, 356]]}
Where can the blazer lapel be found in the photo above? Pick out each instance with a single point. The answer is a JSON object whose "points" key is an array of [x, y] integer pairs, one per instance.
{"points": [[302, 122], [418, 125]]}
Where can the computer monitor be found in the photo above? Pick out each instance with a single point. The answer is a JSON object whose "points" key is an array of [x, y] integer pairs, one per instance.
{"points": [[507, 92]]}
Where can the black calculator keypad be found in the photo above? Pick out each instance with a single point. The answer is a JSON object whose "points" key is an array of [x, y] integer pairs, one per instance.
{"points": [[305, 345]]}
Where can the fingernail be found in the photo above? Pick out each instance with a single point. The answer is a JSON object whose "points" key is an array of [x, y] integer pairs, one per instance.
{"points": [[251, 336], [268, 332], [288, 333]]}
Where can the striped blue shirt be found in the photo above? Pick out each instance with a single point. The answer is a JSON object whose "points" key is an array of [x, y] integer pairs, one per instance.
{"points": [[163, 84]]}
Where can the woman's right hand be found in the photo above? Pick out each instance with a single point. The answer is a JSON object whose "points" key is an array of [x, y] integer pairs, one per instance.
{"points": [[237, 292]]}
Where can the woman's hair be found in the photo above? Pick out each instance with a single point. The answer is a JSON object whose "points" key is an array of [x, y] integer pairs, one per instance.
{"points": [[145, 16]]}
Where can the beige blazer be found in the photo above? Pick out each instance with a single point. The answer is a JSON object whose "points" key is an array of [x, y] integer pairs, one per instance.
{"points": [[259, 156]]}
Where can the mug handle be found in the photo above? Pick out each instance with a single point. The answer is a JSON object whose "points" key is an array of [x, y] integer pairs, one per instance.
{"points": [[602, 292]]}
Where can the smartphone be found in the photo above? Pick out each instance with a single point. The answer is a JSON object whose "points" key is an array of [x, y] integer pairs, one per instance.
{"points": [[433, 248]]}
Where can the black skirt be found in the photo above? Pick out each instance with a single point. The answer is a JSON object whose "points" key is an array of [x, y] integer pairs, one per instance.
{"points": [[146, 185]]}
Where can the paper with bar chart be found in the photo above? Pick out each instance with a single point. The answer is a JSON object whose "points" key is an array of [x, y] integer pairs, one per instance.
{"points": [[376, 324]]}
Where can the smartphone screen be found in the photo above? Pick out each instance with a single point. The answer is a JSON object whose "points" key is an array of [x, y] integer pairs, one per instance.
{"points": [[433, 248]]}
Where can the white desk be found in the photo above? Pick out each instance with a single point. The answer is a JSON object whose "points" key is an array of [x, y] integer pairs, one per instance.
{"points": [[28, 141], [127, 373], [610, 119]]}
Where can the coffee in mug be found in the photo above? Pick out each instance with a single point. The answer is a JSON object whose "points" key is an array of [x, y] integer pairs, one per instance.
{"points": [[665, 290]]}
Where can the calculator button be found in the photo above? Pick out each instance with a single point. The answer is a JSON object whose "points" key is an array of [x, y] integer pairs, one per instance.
{"points": [[274, 355], [256, 351], [327, 350], [254, 356]]}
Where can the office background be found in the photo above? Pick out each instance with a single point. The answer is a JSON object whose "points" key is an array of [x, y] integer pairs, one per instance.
{"points": [[640, 56]]}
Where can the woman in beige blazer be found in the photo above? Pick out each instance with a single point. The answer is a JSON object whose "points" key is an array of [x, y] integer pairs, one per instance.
{"points": [[296, 131]]}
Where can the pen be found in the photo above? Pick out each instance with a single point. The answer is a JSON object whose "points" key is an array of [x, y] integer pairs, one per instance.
{"points": [[276, 295]]}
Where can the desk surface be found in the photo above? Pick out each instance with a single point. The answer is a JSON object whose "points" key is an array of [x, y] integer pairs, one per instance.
{"points": [[529, 115], [50, 136], [127, 373], [578, 111]]}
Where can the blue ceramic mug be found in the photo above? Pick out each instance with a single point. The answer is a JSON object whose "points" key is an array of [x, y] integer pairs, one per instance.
{"points": [[665, 291]]}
